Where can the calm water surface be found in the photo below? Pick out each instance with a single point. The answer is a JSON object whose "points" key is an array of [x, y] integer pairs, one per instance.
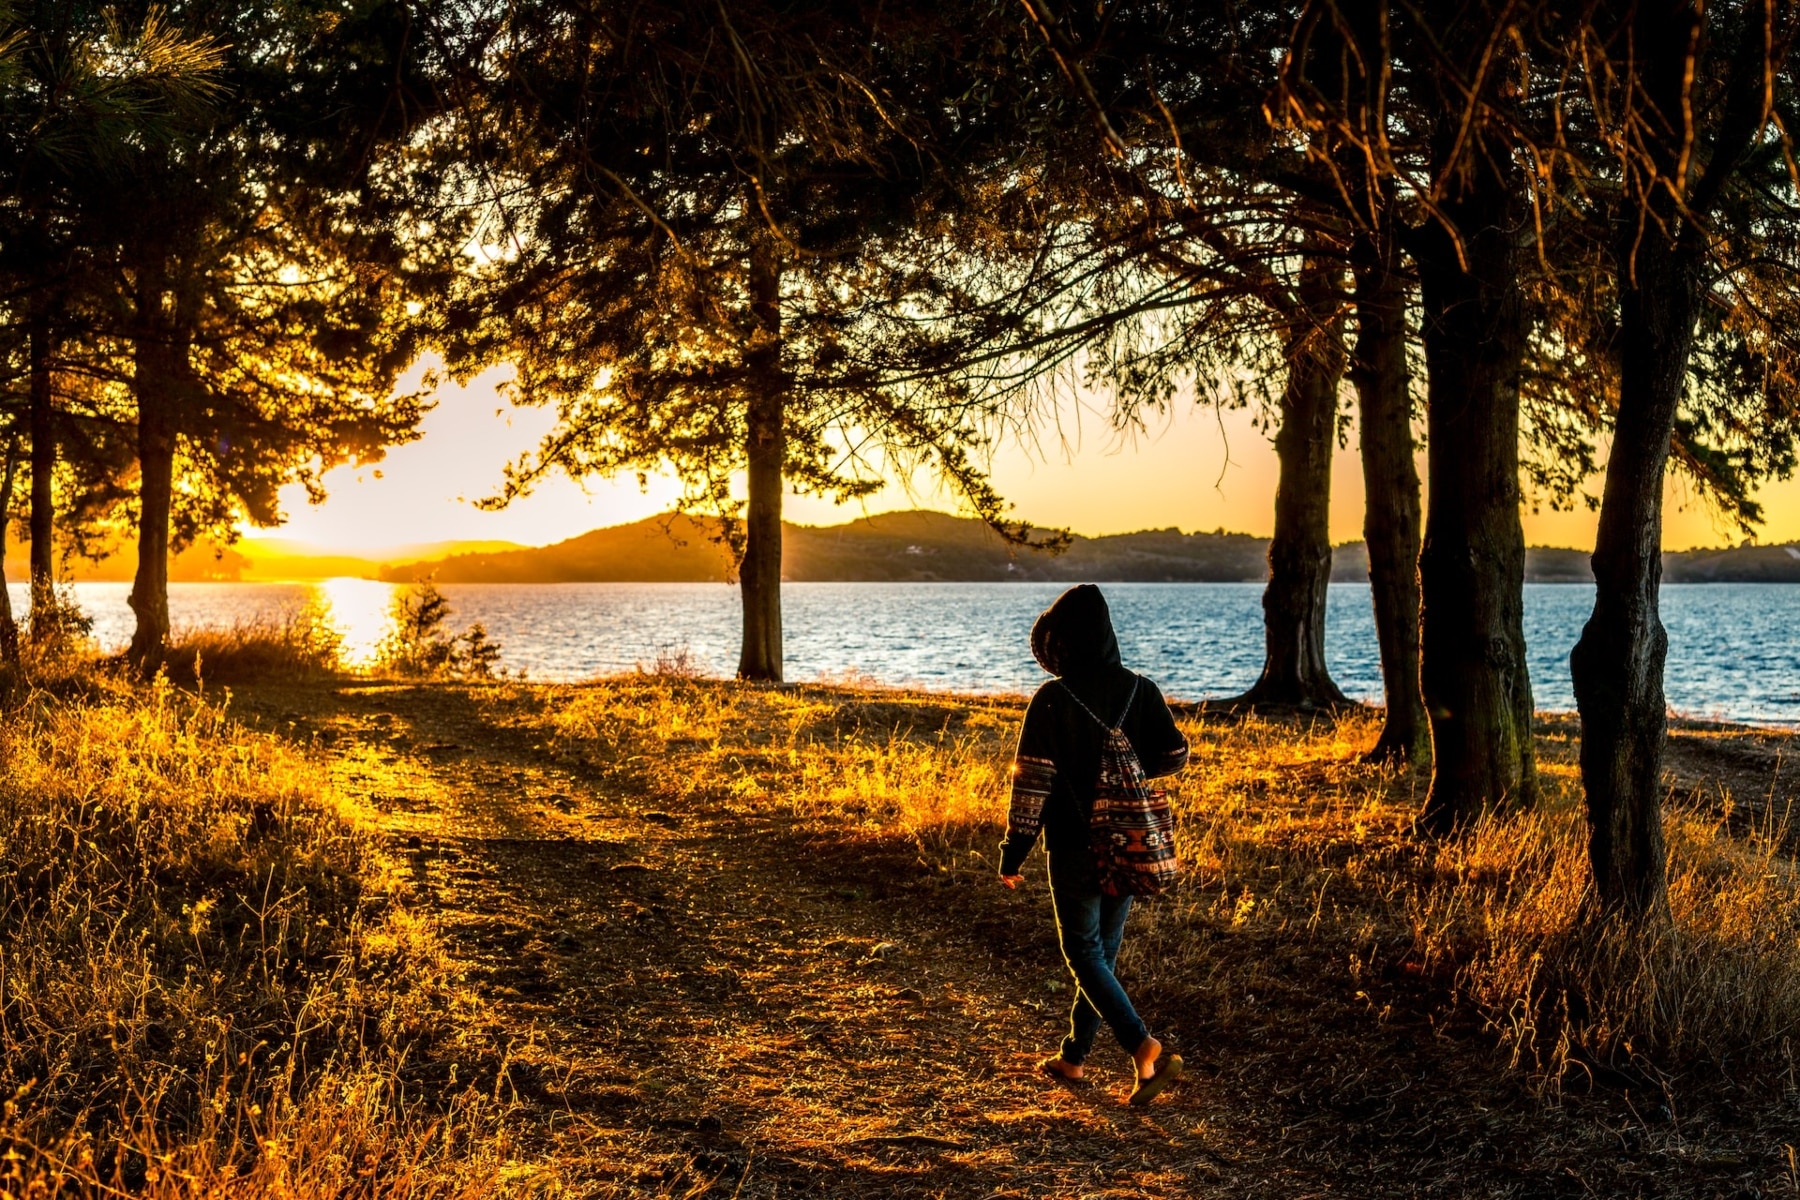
{"points": [[1734, 649]]}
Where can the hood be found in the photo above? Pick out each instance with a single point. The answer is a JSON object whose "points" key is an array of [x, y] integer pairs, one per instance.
{"points": [[1074, 636]]}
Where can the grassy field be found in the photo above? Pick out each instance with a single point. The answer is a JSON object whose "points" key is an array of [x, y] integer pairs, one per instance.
{"points": [[660, 935], [1290, 840], [210, 979]]}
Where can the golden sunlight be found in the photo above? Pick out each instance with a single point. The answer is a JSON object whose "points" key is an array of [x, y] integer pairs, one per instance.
{"points": [[361, 611], [1195, 468]]}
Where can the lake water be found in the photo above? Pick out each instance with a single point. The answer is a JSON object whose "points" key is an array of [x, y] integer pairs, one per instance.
{"points": [[1734, 649]]}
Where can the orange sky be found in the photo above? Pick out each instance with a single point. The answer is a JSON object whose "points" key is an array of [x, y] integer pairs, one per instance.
{"points": [[1196, 469]]}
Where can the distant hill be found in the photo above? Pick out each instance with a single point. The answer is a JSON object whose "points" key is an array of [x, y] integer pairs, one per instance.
{"points": [[1543, 564], [929, 545], [667, 549], [1742, 564], [284, 559], [901, 546], [1548, 564]]}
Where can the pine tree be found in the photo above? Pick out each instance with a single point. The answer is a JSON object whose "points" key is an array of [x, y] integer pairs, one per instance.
{"points": [[691, 213], [258, 281]]}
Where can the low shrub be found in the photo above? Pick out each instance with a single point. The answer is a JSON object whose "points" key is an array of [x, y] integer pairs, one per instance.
{"points": [[303, 647], [421, 644]]}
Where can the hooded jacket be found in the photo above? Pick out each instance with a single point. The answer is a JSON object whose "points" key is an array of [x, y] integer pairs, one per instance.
{"points": [[1058, 758]]}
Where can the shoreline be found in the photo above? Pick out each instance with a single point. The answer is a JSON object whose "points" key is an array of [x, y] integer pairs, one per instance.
{"points": [[852, 682], [1733, 650]]}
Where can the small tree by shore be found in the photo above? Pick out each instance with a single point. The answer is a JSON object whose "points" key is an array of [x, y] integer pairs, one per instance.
{"points": [[422, 644]]}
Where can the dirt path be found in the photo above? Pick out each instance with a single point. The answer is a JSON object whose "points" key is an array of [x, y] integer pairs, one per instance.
{"points": [[696, 995], [709, 1002]]}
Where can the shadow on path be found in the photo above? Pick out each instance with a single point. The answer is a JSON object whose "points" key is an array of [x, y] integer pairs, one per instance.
{"points": [[700, 994]]}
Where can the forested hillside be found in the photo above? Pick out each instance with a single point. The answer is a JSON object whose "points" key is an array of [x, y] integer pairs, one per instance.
{"points": [[889, 547], [922, 545]]}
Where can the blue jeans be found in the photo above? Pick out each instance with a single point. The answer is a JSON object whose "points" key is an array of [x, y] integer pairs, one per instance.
{"points": [[1090, 927]]}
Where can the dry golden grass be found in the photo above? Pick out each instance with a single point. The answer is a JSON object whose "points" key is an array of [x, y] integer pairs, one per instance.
{"points": [[300, 647], [1285, 830], [933, 768], [1289, 840], [207, 984], [209, 980]]}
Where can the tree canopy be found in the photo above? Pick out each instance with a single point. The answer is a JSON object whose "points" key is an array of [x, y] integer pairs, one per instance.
{"points": [[817, 245]]}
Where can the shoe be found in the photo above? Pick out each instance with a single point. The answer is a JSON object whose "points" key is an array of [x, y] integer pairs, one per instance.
{"points": [[1167, 1072]]}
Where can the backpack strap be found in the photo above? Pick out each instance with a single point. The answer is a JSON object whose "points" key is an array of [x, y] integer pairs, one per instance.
{"points": [[1112, 726]]}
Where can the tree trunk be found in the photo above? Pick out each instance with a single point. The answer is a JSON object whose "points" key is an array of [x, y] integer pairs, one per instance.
{"points": [[1472, 565], [759, 575], [1618, 663], [9, 626], [1390, 493], [42, 419], [1294, 669], [150, 589], [160, 370], [1617, 666]]}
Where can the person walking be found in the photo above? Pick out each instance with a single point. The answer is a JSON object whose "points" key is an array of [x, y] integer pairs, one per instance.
{"points": [[1055, 772]]}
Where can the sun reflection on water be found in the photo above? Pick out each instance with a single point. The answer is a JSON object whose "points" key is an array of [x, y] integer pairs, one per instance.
{"points": [[361, 610]]}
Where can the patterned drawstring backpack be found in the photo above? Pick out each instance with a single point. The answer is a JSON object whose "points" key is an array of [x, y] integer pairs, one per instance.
{"points": [[1132, 830]]}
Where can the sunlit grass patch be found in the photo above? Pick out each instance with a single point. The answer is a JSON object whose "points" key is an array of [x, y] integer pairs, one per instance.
{"points": [[926, 767], [205, 977], [1717, 981], [943, 796], [1301, 864], [303, 646], [1286, 832]]}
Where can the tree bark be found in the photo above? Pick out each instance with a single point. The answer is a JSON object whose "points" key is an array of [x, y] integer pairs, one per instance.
{"points": [[150, 588], [1472, 564], [159, 370], [1294, 670], [42, 421], [1617, 666], [9, 626], [1391, 512], [759, 575]]}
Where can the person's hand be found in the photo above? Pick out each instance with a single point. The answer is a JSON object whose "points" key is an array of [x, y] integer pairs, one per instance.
{"points": [[1012, 881]]}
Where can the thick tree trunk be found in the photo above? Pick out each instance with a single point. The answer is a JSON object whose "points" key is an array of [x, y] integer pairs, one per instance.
{"points": [[160, 371], [759, 575], [1294, 669], [150, 589], [1617, 666], [1618, 663], [42, 420], [1390, 494], [9, 626], [1472, 565]]}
